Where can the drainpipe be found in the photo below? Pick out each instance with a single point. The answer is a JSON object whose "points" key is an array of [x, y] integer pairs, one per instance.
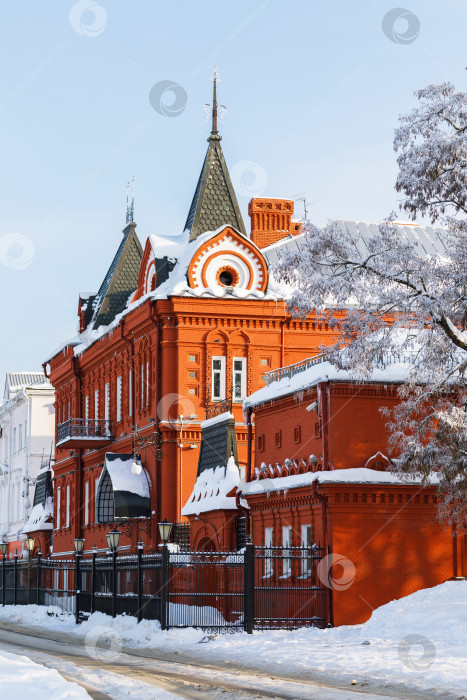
{"points": [[26, 470], [44, 368], [132, 366], [249, 440], [326, 549], [323, 398], [79, 456], [246, 512], [155, 320], [10, 453], [283, 342]]}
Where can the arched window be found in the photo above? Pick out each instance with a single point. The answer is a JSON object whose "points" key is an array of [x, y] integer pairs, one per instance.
{"points": [[106, 502]]}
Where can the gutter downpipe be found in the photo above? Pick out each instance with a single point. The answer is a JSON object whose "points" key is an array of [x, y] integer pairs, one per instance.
{"points": [[10, 453], [155, 320], [79, 454], [28, 447], [283, 322], [132, 366], [44, 368], [324, 518], [249, 440]]}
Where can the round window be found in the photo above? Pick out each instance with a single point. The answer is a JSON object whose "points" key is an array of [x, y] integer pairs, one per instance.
{"points": [[226, 278]]}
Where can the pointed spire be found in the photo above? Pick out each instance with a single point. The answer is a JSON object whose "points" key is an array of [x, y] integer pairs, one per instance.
{"points": [[214, 202], [127, 217]]}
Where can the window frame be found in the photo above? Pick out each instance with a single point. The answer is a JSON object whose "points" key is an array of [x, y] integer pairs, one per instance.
{"points": [[222, 377], [243, 374]]}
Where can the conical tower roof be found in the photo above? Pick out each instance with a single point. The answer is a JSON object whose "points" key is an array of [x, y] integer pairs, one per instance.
{"points": [[214, 203]]}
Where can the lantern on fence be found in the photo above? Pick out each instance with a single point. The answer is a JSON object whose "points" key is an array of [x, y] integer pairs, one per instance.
{"points": [[79, 545], [30, 542], [113, 539], [165, 529], [3, 548]]}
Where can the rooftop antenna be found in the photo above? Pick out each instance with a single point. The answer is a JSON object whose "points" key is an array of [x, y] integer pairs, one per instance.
{"points": [[301, 197]]}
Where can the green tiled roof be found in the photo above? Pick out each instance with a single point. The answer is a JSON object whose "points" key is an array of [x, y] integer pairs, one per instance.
{"points": [[214, 203]]}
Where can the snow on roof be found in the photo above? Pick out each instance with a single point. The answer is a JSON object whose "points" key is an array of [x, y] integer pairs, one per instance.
{"points": [[360, 475], [41, 517], [320, 369], [126, 474], [221, 418], [211, 489], [17, 381]]}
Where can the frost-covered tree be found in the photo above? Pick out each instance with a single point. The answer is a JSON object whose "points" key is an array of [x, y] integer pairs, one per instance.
{"points": [[397, 302]]}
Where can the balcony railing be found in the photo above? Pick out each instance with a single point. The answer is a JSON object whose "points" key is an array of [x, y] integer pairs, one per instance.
{"points": [[83, 432]]}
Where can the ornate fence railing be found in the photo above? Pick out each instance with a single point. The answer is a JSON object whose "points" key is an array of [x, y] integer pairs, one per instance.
{"points": [[254, 588], [85, 428]]}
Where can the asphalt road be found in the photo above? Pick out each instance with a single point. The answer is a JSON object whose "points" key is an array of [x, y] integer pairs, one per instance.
{"points": [[136, 676]]}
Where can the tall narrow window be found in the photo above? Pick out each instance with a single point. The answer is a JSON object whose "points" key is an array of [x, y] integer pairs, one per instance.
{"points": [[239, 378], [14, 440], [86, 407], [286, 541], [218, 378], [141, 393], [119, 399], [20, 437], [18, 501], [57, 509], [268, 534], [96, 484], [67, 517], [306, 550], [86, 502], [130, 393], [147, 384], [26, 442], [96, 403], [105, 501]]}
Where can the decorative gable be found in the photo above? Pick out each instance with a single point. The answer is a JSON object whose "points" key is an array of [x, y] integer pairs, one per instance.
{"points": [[228, 260]]}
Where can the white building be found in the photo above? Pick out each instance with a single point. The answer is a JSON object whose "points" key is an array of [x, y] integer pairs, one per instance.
{"points": [[27, 430]]}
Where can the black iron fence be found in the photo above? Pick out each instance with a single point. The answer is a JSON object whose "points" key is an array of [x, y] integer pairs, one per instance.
{"points": [[255, 588]]}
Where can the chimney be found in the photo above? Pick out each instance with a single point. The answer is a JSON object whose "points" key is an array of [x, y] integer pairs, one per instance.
{"points": [[271, 220]]}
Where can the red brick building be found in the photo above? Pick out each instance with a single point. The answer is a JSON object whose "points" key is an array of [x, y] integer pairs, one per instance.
{"points": [[321, 477], [187, 322]]}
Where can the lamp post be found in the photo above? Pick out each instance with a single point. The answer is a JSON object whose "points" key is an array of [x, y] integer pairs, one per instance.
{"points": [[113, 539], [165, 529], [29, 542], [3, 550], [79, 546]]}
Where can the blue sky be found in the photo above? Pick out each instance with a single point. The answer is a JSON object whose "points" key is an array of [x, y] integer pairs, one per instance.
{"points": [[313, 91]]}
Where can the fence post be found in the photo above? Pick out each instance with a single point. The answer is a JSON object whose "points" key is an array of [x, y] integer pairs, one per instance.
{"points": [[29, 576], [3, 579], [140, 581], [77, 582], [38, 577], [93, 578], [164, 584], [249, 588], [114, 582], [15, 579]]}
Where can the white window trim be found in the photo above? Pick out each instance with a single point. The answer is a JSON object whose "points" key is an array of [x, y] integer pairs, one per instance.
{"points": [[96, 403], [86, 503], [239, 399], [58, 505], [107, 401], [119, 399], [67, 518], [268, 542], [286, 544], [306, 564], [130, 393], [221, 371]]}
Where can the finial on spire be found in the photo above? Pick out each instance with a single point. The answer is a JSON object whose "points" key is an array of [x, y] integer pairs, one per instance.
{"points": [[130, 208], [214, 136]]}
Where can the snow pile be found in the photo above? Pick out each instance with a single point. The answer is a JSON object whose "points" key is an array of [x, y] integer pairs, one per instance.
{"points": [[418, 642], [212, 488], [221, 418], [21, 679], [41, 517]]}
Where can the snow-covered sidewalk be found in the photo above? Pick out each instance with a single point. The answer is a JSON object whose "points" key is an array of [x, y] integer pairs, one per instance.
{"points": [[419, 641], [22, 679]]}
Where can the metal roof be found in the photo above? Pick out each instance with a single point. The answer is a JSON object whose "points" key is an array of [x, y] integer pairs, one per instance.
{"points": [[16, 381], [427, 240]]}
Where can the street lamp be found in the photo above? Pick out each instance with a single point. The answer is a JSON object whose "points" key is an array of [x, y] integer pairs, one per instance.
{"points": [[165, 530], [113, 539], [30, 542], [79, 546], [3, 550]]}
